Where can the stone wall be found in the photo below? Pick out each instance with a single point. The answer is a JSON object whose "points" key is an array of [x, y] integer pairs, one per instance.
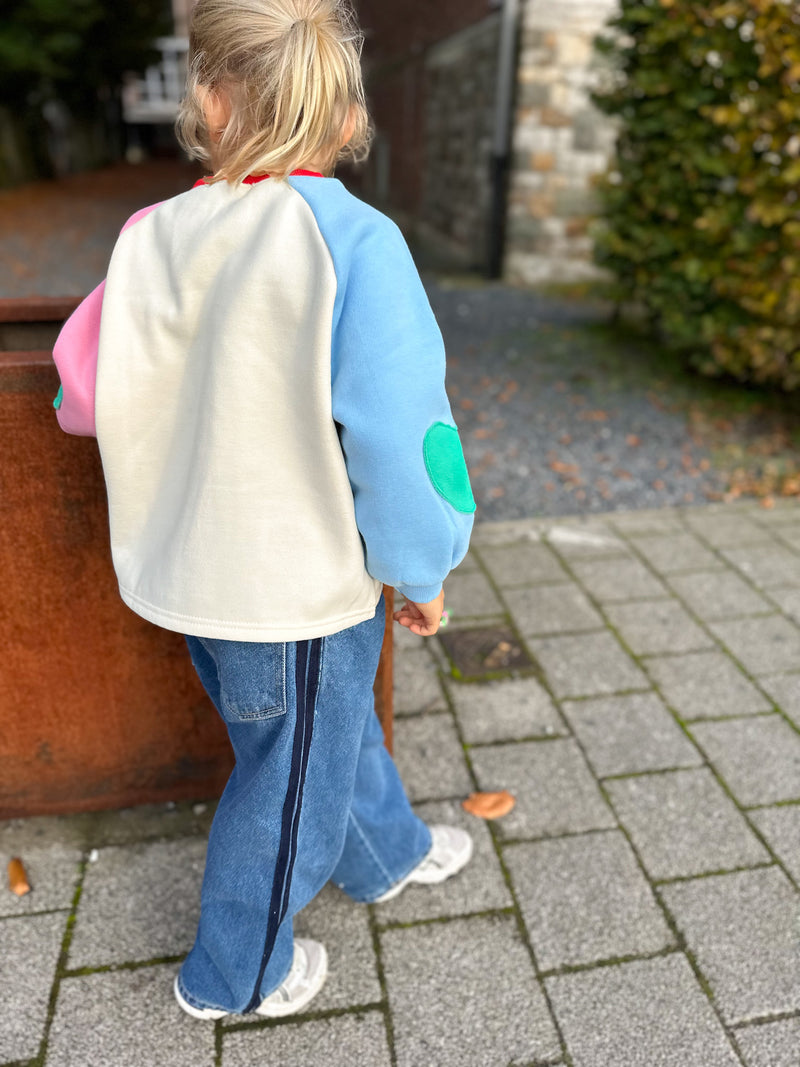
{"points": [[560, 142], [460, 76]]}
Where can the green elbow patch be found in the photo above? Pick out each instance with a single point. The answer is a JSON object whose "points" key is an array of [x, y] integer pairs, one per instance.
{"points": [[59, 397], [447, 470]]}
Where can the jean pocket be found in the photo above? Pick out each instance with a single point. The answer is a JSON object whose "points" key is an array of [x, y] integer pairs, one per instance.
{"points": [[252, 678]]}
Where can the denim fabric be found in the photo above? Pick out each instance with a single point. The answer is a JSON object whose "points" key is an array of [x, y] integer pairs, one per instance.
{"points": [[314, 795]]}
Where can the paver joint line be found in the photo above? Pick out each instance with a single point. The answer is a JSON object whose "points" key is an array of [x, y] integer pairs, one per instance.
{"points": [[755, 840]]}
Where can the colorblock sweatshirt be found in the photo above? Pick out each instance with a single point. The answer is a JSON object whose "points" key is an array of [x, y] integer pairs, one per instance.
{"points": [[265, 378]]}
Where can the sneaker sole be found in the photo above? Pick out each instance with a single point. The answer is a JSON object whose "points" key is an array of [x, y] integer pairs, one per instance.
{"points": [[292, 1007], [197, 1013], [272, 1011], [416, 879]]}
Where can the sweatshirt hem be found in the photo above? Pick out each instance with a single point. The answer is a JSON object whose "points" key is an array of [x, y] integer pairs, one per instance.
{"points": [[225, 630]]}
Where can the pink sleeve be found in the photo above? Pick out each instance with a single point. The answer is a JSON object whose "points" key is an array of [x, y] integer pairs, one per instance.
{"points": [[75, 355]]}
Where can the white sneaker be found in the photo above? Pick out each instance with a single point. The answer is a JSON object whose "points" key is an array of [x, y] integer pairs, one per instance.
{"points": [[451, 849], [305, 979]]}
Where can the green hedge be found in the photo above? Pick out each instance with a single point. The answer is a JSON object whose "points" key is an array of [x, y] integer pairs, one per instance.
{"points": [[71, 51], [702, 206]]}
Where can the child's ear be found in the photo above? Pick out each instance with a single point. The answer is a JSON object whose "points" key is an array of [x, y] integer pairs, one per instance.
{"points": [[349, 127], [216, 107]]}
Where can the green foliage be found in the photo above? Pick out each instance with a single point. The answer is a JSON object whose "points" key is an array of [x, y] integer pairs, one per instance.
{"points": [[73, 51], [702, 207]]}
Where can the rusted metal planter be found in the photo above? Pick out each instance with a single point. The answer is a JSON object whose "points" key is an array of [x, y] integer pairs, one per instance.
{"points": [[98, 708]]}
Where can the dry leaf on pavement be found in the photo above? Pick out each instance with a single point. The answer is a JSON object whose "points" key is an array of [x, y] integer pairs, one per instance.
{"points": [[489, 805]]}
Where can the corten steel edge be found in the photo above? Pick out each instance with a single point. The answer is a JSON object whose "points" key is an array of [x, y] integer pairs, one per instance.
{"points": [[98, 708]]}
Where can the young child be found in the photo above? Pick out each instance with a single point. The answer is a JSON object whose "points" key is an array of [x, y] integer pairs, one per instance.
{"points": [[265, 379]]}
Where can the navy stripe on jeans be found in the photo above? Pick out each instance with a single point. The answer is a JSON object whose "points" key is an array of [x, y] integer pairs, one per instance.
{"points": [[307, 665]]}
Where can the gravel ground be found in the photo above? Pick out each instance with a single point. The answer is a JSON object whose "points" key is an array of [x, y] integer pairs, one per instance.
{"points": [[557, 414]]}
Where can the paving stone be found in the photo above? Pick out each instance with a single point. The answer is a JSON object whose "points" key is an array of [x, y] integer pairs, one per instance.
{"points": [[768, 566], [464, 994], [682, 823], [624, 734], [31, 946], [506, 710], [416, 682], [430, 758], [741, 929], [139, 902], [759, 757], [52, 871], [675, 553], [724, 531], [618, 579], [342, 926], [765, 645], [718, 594], [639, 1014], [126, 1019], [525, 563], [344, 1041], [704, 685], [505, 534], [586, 541], [584, 899], [552, 609], [468, 564], [781, 828], [586, 664], [649, 522], [480, 886], [788, 534], [770, 1044], [554, 789], [785, 691], [788, 600], [469, 594], [652, 626]]}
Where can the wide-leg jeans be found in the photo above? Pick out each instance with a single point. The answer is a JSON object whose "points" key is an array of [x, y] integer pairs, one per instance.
{"points": [[313, 796]]}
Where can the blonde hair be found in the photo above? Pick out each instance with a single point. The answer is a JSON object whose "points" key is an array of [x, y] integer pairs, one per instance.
{"points": [[291, 73]]}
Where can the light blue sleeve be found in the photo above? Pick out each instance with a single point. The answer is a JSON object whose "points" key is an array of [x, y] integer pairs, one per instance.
{"points": [[413, 504]]}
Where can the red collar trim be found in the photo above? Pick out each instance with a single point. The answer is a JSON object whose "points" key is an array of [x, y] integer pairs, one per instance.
{"points": [[252, 179]]}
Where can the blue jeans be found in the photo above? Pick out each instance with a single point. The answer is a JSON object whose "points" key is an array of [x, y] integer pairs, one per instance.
{"points": [[314, 795]]}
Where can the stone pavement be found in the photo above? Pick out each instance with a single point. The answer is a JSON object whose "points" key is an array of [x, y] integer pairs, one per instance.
{"points": [[638, 907]]}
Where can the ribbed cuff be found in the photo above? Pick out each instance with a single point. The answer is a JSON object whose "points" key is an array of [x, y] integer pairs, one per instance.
{"points": [[420, 594]]}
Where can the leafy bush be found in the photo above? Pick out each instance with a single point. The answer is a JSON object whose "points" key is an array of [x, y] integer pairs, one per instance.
{"points": [[702, 208], [73, 52]]}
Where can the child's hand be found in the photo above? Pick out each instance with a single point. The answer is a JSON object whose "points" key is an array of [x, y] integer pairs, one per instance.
{"points": [[422, 619]]}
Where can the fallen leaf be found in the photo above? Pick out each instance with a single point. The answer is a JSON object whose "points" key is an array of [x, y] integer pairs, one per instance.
{"points": [[17, 877], [767, 502], [483, 433], [467, 404], [633, 440], [624, 475], [565, 439], [659, 485], [489, 805], [593, 416], [496, 492], [564, 468]]}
